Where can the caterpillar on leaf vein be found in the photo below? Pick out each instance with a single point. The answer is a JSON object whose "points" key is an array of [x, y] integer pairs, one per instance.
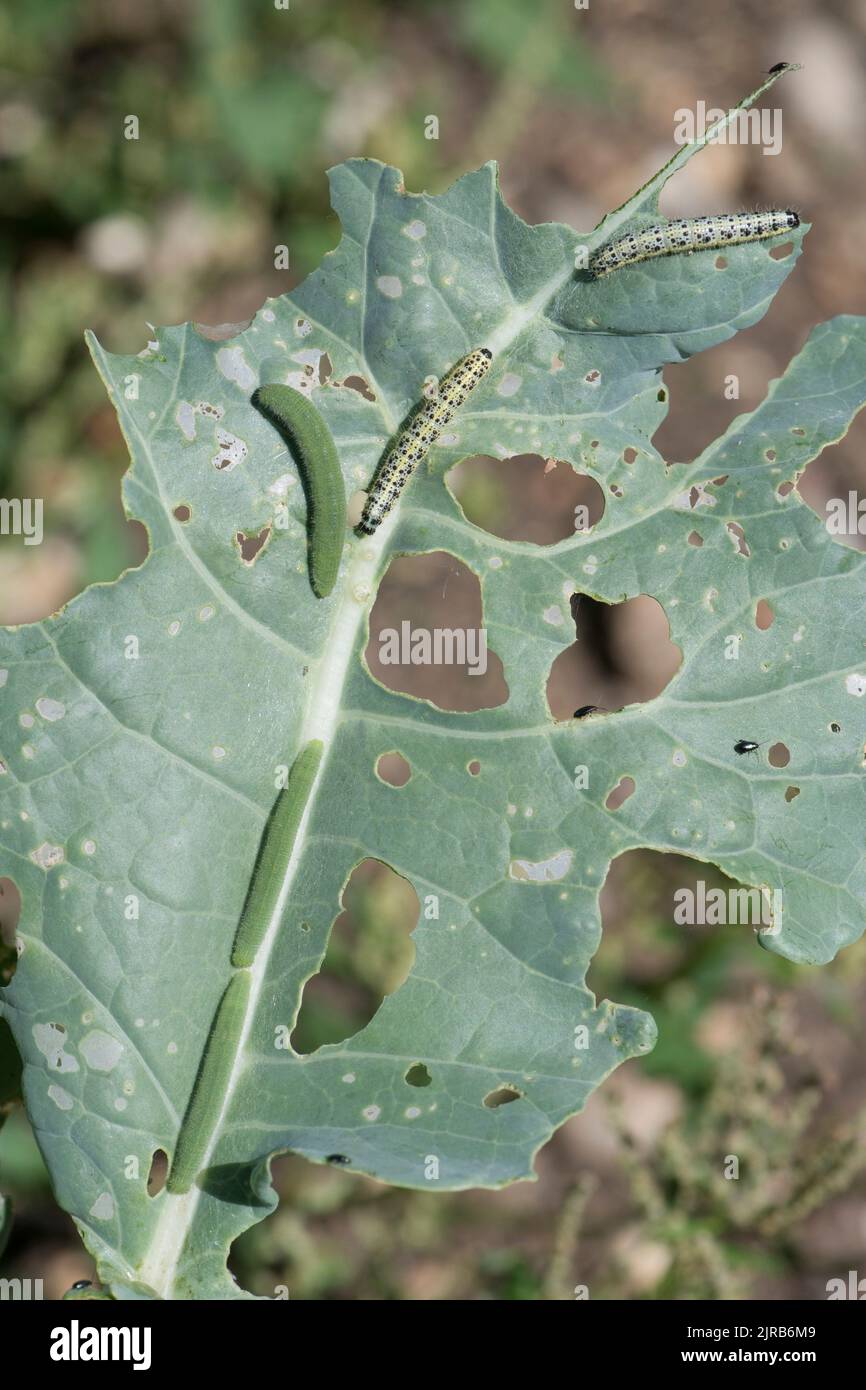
{"points": [[275, 851], [209, 1089], [688, 234], [419, 436], [319, 465], [213, 1076]]}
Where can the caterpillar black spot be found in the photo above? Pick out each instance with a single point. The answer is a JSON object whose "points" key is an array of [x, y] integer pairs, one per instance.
{"points": [[210, 1085], [319, 466], [690, 234], [420, 435], [274, 852]]}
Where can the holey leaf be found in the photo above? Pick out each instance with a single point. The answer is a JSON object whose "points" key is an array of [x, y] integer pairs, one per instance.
{"points": [[143, 727]]}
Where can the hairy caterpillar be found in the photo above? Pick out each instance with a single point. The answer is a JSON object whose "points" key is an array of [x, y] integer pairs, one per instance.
{"points": [[420, 436], [210, 1084], [274, 852], [691, 234], [320, 473]]}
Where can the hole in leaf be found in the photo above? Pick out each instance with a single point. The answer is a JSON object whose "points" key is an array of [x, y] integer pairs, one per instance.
{"points": [[10, 916], [182, 512], [357, 383], [251, 544], [785, 488], [138, 542], [781, 253], [648, 948], [418, 1075], [339, 1160], [835, 728], [393, 769], [622, 655], [798, 430], [739, 535], [10, 911], [629, 455], [620, 793], [427, 638], [791, 792], [695, 538], [369, 955], [779, 755], [474, 768], [721, 262], [526, 498], [158, 1173], [503, 1095], [764, 615]]}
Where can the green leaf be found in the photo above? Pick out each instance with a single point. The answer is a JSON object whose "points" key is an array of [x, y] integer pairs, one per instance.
{"points": [[142, 727]]}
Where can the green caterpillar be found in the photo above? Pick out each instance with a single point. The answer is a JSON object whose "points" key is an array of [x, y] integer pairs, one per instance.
{"points": [[276, 847], [319, 466], [213, 1075], [210, 1085]]}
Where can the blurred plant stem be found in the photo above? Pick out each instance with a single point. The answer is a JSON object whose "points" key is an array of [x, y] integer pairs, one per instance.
{"points": [[517, 92], [559, 1283]]}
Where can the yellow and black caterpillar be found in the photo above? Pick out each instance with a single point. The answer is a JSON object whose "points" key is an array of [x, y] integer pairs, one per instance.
{"points": [[420, 436], [687, 234]]}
